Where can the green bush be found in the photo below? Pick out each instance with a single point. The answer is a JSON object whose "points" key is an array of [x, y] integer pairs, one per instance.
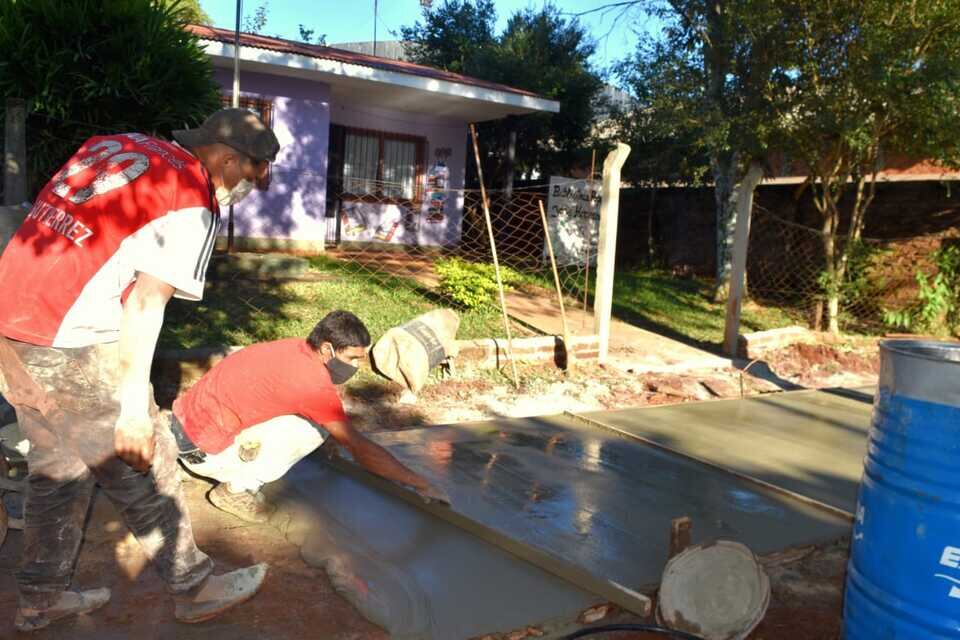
{"points": [[87, 67], [937, 306], [473, 284]]}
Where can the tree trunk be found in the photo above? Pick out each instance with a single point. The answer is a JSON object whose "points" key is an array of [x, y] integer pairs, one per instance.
{"points": [[724, 192], [834, 271]]}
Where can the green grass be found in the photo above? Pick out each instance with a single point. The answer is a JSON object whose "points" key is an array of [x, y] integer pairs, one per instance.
{"points": [[662, 302], [681, 307], [239, 312]]}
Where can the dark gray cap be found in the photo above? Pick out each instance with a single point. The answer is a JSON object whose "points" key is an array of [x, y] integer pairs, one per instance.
{"points": [[237, 128]]}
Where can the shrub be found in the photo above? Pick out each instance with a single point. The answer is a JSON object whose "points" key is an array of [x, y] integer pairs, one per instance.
{"points": [[937, 307], [109, 66], [473, 284]]}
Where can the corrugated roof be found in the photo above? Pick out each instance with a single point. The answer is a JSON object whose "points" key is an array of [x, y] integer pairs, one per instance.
{"points": [[348, 57]]}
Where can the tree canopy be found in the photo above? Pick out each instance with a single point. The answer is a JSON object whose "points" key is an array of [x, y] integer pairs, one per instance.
{"points": [[111, 66], [540, 50]]}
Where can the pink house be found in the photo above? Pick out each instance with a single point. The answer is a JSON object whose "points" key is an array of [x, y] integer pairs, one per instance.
{"points": [[374, 150]]}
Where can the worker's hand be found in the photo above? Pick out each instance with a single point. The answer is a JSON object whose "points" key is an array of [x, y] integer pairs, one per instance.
{"points": [[134, 441]]}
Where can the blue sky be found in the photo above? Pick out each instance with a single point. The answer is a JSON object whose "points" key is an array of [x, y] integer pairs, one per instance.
{"points": [[353, 20]]}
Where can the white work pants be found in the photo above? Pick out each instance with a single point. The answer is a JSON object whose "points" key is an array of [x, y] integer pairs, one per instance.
{"points": [[284, 441]]}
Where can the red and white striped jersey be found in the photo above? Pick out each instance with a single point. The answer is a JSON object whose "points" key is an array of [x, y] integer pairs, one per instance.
{"points": [[122, 204]]}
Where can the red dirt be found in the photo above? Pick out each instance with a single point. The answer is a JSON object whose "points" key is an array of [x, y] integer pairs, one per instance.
{"points": [[811, 365], [297, 601]]}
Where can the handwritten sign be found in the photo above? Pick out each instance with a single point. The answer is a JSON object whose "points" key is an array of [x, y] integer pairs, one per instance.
{"points": [[573, 220]]}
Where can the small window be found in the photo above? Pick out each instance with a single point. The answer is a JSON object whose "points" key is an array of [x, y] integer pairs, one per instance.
{"points": [[262, 108], [382, 166]]}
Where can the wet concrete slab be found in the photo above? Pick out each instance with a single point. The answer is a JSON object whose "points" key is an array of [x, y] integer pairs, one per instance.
{"points": [[583, 495], [415, 575], [809, 442]]}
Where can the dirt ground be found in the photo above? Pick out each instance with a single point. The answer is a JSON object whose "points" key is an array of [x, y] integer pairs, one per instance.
{"points": [[481, 395], [298, 601]]}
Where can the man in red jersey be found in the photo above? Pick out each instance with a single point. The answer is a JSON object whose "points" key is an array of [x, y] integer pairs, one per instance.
{"points": [[127, 223], [262, 409]]}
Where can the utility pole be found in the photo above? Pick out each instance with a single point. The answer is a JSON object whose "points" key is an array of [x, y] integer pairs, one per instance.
{"points": [[375, 13], [235, 103]]}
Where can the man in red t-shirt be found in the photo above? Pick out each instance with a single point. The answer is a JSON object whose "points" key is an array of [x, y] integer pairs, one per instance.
{"points": [[262, 409], [127, 223]]}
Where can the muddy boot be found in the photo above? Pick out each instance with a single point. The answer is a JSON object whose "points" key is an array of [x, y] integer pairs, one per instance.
{"points": [[248, 506], [70, 603], [219, 593]]}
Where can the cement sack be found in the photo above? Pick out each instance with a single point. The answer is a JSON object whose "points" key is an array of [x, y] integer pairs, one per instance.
{"points": [[406, 354]]}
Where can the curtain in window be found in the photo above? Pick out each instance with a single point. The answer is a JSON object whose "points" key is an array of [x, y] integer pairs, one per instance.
{"points": [[399, 168], [361, 158]]}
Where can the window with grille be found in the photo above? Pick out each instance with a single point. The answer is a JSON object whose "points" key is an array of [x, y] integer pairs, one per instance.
{"points": [[380, 166], [262, 108]]}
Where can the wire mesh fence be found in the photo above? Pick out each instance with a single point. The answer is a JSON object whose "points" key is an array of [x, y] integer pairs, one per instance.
{"points": [[787, 266], [389, 259], [442, 243]]}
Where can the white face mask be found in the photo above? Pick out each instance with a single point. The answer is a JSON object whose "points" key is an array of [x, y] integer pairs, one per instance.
{"points": [[232, 196]]}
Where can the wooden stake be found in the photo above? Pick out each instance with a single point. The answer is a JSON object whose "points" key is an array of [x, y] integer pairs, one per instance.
{"points": [[567, 344], [496, 260], [680, 535], [586, 277]]}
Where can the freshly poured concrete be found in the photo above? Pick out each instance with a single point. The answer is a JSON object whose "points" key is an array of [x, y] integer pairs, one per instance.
{"points": [[415, 575], [586, 496], [809, 442]]}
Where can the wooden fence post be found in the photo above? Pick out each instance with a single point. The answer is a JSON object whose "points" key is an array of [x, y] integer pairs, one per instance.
{"points": [[607, 246], [15, 153], [741, 239]]}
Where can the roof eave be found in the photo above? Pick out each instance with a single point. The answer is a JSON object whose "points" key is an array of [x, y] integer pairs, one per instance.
{"points": [[276, 61]]}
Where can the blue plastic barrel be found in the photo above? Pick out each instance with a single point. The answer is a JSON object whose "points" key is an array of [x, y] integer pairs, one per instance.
{"points": [[903, 579]]}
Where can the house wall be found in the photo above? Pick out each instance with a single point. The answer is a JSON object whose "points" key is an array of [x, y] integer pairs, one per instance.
{"points": [[370, 222], [291, 213]]}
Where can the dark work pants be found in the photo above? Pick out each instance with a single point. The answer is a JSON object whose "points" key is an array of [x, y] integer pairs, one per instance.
{"points": [[73, 452]]}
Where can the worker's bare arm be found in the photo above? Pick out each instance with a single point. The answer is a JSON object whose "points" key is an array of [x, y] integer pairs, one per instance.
{"points": [[381, 462], [139, 329]]}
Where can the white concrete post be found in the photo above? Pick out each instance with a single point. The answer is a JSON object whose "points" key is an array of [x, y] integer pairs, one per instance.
{"points": [[15, 153], [607, 246], [738, 269]]}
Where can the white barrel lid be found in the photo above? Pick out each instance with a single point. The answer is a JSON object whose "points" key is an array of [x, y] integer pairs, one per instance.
{"points": [[718, 591]]}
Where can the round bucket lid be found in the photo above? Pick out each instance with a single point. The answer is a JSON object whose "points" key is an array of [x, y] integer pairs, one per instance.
{"points": [[718, 591]]}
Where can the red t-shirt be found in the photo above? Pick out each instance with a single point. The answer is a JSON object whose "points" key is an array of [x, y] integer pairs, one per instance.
{"points": [[253, 385], [121, 204]]}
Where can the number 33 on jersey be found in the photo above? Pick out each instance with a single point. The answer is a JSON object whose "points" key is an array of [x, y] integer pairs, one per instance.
{"points": [[122, 204]]}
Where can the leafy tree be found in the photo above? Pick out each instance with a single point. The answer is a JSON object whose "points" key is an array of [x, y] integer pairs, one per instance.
{"points": [[257, 22], [456, 36], [541, 51], [104, 67], [706, 89], [193, 12], [307, 35], [870, 77]]}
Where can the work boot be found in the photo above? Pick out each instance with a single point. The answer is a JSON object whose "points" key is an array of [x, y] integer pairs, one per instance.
{"points": [[70, 603], [246, 505], [219, 593]]}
